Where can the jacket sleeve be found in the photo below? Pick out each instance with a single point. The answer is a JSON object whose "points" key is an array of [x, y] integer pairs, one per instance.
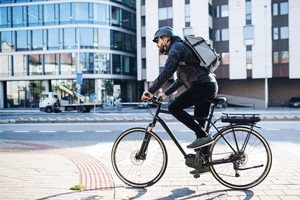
{"points": [[175, 85], [175, 53]]}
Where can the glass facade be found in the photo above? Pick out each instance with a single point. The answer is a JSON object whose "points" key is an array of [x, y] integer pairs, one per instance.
{"points": [[44, 43]]}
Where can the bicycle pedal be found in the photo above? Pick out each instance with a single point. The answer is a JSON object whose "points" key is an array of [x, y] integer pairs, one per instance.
{"points": [[197, 176]]}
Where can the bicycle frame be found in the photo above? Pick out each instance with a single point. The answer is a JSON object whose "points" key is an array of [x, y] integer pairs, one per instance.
{"points": [[156, 118]]}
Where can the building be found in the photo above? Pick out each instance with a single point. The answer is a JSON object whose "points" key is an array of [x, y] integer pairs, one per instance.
{"points": [[46, 43], [258, 42]]}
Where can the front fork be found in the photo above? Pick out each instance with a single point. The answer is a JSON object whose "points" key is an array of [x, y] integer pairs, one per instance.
{"points": [[142, 153]]}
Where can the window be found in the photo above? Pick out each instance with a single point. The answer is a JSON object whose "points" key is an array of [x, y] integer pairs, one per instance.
{"points": [[275, 9], [20, 65], [248, 32], [23, 40], [249, 57], [275, 57], [116, 64], [217, 11], [4, 17], [284, 57], [224, 11], [217, 35], [34, 15], [51, 64], [187, 15], [100, 13], [117, 40], [225, 34], [225, 58], [69, 38], [49, 14], [248, 8], [104, 38], [35, 64], [68, 62], [102, 64], [86, 37], [165, 13], [7, 41], [115, 15], [284, 8], [284, 32], [280, 32], [53, 41], [81, 10], [18, 16], [275, 33], [65, 13], [280, 57], [37, 39]]}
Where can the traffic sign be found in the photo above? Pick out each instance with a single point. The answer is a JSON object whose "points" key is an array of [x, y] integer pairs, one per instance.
{"points": [[79, 78]]}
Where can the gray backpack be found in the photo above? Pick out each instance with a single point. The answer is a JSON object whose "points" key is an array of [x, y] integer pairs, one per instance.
{"points": [[207, 55]]}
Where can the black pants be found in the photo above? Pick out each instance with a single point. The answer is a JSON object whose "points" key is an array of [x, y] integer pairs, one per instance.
{"points": [[197, 95]]}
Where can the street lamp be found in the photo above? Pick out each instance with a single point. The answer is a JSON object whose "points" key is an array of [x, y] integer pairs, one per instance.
{"points": [[266, 67]]}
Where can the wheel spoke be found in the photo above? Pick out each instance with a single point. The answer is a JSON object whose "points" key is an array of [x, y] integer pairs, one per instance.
{"points": [[137, 172], [249, 167]]}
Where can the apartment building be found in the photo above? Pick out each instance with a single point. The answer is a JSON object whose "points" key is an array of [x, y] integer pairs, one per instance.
{"points": [[258, 41]]}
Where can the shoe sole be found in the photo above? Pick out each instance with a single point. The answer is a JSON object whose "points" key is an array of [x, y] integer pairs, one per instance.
{"points": [[203, 145]]}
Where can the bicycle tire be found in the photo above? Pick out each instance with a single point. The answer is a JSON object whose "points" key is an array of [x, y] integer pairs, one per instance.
{"points": [[138, 173], [255, 162]]}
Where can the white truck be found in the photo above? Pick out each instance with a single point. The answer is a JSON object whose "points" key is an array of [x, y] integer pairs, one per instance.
{"points": [[54, 102]]}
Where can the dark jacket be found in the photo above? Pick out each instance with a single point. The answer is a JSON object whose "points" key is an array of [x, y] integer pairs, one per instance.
{"points": [[187, 74]]}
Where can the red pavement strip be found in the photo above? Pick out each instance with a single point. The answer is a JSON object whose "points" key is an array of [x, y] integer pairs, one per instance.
{"points": [[93, 174]]}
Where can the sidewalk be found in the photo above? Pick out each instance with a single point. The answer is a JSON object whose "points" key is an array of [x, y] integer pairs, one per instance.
{"points": [[35, 171]]}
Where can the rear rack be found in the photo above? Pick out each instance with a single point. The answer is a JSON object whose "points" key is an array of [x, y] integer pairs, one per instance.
{"points": [[240, 118]]}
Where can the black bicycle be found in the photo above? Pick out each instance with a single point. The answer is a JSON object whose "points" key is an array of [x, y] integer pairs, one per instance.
{"points": [[239, 157]]}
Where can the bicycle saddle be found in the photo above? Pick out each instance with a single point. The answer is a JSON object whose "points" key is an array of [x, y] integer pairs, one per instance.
{"points": [[218, 100]]}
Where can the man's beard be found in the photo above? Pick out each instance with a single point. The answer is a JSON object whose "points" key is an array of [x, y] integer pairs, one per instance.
{"points": [[162, 50]]}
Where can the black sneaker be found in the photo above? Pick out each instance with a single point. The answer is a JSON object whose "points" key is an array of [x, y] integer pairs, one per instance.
{"points": [[201, 142]]}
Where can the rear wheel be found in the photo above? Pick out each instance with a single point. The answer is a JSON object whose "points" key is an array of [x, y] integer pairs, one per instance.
{"points": [[244, 163], [134, 171]]}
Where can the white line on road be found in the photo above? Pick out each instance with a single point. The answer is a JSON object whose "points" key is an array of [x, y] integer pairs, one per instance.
{"points": [[21, 131], [271, 129], [75, 131], [103, 131], [48, 131]]}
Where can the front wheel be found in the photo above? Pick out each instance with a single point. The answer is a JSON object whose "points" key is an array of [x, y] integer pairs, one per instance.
{"points": [[240, 158], [134, 170]]}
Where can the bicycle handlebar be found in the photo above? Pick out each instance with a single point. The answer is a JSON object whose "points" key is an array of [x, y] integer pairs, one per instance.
{"points": [[155, 100]]}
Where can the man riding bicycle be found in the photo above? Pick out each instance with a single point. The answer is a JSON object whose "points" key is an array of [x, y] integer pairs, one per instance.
{"points": [[200, 84]]}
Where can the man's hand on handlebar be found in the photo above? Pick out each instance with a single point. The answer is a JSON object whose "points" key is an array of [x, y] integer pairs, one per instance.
{"points": [[162, 96], [147, 96]]}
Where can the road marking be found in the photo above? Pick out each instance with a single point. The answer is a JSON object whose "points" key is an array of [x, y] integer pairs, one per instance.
{"points": [[75, 131], [103, 131], [21, 131], [48, 131], [272, 129]]}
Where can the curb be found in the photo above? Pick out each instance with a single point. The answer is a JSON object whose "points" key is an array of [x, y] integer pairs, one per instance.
{"points": [[119, 119]]}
